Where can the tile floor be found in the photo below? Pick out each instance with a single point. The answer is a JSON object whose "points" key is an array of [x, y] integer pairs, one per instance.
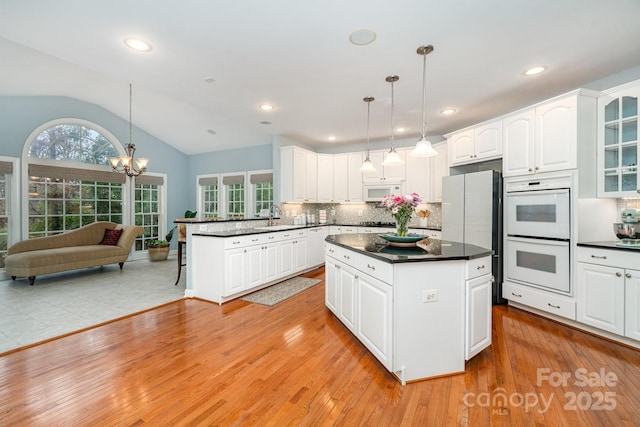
{"points": [[61, 303]]}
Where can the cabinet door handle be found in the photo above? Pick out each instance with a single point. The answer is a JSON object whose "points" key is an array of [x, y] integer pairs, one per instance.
{"points": [[271, 237], [516, 295], [356, 277], [618, 274], [480, 267], [331, 250], [598, 257], [553, 306], [254, 240], [537, 169], [346, 256], [245, 251], [627, 275], [373, 267], [286, 235], [235, 243], [337, 267], [530, 170]]}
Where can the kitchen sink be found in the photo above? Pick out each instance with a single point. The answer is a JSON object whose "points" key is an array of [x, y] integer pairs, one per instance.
{"points": [[279, 227]]}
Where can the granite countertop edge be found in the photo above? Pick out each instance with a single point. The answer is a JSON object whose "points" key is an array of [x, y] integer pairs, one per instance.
{"points": [[611, 245], [250, 231]]}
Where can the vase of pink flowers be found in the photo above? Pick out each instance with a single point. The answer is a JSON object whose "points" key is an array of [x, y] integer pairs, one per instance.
{"points": [[401, 207]]}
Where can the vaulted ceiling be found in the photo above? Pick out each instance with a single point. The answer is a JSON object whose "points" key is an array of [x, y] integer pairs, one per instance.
{"points": [[212, 63]]}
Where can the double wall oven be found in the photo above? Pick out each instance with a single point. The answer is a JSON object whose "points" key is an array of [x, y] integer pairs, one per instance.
{"points": [[538, 233]]}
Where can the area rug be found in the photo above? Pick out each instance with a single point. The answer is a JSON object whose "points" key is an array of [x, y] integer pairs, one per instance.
{"points": [[280, 292]]}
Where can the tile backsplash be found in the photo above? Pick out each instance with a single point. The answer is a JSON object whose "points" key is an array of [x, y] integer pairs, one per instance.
{"points": [[626, 204], [354, 213]]}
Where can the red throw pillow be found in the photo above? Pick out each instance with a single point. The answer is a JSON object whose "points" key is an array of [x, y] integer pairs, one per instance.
{"points": [[111, 236]]}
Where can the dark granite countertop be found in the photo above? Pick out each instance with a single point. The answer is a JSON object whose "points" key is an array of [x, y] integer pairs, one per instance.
{"points": [[260, 230], [426, 250], [610, 245]]}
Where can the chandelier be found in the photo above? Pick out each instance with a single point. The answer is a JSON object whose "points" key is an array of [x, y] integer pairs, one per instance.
{"points": [[126, 163]]}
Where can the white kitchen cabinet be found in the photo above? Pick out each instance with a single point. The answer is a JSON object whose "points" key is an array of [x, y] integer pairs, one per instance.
{"points": [[390, 302], [347, 278], [347, 178], [600, 296], [343, 229], [434, 234], [526, 296], [608, 290], [632, 304], [376, 230], [439, 169], [300, 248], [316, 245], [298, 175], [235, 273], [375, 322], [224, 268], [394, 173], [477, 315], [331, 269], [618, 128], [324, 179], [545, 137], [480, 143]]}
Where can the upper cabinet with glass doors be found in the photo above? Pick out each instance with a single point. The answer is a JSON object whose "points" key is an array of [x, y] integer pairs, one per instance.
{"points": [[618, 143]]}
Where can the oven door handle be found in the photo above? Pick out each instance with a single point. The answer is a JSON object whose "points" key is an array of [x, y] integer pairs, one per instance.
{"points": [[515, 237]]}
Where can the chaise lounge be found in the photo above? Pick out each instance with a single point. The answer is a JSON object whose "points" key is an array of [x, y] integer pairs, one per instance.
{"points": [[93, 245]]}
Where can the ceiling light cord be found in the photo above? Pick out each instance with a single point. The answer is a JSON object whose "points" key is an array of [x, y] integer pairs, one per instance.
{"points": [[424, 97], [130, 121]]}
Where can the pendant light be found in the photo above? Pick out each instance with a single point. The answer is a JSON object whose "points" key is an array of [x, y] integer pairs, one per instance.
{"points": [[367, 165], [423, 147], [392, 157]]}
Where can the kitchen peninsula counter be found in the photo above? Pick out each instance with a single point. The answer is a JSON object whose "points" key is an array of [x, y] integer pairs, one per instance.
{"points": [[421, 311]]}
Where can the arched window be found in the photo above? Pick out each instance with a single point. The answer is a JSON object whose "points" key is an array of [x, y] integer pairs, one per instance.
{"points": [[70, 182], [74, 143]]}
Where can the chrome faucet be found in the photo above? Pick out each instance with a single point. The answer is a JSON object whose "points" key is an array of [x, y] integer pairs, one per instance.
{"points": [[274, 211]]}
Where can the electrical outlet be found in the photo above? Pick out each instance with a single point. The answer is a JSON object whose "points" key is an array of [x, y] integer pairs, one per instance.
{"points": [[430, 295], [360, 213]]}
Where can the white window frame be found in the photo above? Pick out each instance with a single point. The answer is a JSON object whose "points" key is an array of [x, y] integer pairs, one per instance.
{"points": [[250, 201], [162, 216], [26, 160], [200, 194], [13, 200], [222, 195]]}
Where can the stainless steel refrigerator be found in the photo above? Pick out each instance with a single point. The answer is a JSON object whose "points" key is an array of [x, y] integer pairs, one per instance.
{"points": [[472, 213]]}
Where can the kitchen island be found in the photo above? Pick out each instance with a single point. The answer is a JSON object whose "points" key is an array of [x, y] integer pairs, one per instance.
{"points": [[421, 311]]}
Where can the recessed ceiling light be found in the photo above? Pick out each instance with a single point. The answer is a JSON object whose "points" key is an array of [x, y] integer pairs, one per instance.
{"points": [[331, 138], [400, 130], [535, 70], [448, 111], [265, 122], [137, 44], [210, 80], [267, 107], [211, 131], [362, 37]]}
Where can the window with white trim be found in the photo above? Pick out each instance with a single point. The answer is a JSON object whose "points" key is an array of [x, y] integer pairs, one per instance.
{"points": [[70, 183], [234, 195], [147, 209], [6, 171], [261, 191], [209, 192]]}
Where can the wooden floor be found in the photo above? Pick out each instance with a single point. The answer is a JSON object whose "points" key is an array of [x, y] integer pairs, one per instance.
{"points": [[196, 363]]}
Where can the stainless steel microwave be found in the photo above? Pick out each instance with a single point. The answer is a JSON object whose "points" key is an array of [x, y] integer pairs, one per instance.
{"points": [[376, 192]]}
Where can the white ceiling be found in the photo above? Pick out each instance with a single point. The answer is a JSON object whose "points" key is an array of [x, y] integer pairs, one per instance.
{"points": [[296, 54]]}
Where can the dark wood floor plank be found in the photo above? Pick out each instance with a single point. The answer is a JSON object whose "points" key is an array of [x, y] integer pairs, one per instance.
{"points": [[197, 363]]}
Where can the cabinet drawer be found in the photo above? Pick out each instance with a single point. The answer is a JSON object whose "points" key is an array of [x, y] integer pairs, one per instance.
{"points": [[609, 257], [380, 270], [478, 266], [556, 304], [242, 241]]}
